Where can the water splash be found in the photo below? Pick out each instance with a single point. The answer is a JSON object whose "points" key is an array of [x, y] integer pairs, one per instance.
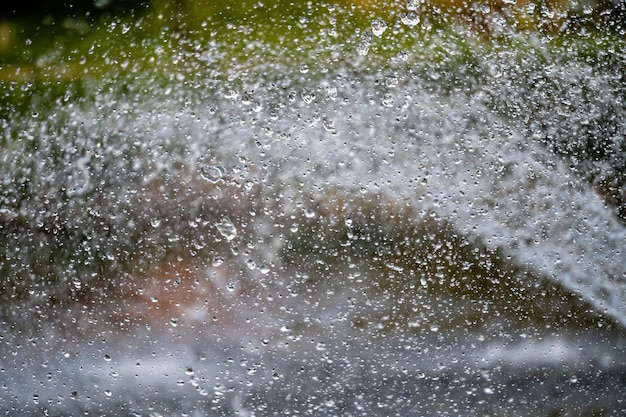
{"points": [[449, 153], [103, 186]]}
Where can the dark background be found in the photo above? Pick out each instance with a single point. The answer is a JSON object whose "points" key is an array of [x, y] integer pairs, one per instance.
{"points": [[13, 8]]}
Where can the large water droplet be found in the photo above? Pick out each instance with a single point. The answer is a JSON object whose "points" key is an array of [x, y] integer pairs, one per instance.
{"points": [[387, 100], [409, 19], [226, 228], [378, 27], [212, 173], [366, 41], [307, 95], [328, 124], [412, 4]]}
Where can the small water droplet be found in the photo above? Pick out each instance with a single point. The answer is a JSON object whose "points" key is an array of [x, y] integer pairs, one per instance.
{"points": [[226, 228], [217, 261], [77, 284], [409, 19], [304, 68], [307, 95], [331, 92], [173, 322], [328, 124], [387, 100], [378, 27], [412, 4], [231, 94], [366, 41], [107, 358], [212, 173], [392, 80]]}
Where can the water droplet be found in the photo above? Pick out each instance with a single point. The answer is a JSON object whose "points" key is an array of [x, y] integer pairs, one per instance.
{"points": [[107, 358], [409, 19], [226, 228], [387, 100], [155, 222], [391, 80], [108, 393], [77, 283], [173, 322], [304, 68], [412, 4], [307, 95], [328, 124], [217, 261], [212, 173], [231, 94], [366, 41], [378, 27]]}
